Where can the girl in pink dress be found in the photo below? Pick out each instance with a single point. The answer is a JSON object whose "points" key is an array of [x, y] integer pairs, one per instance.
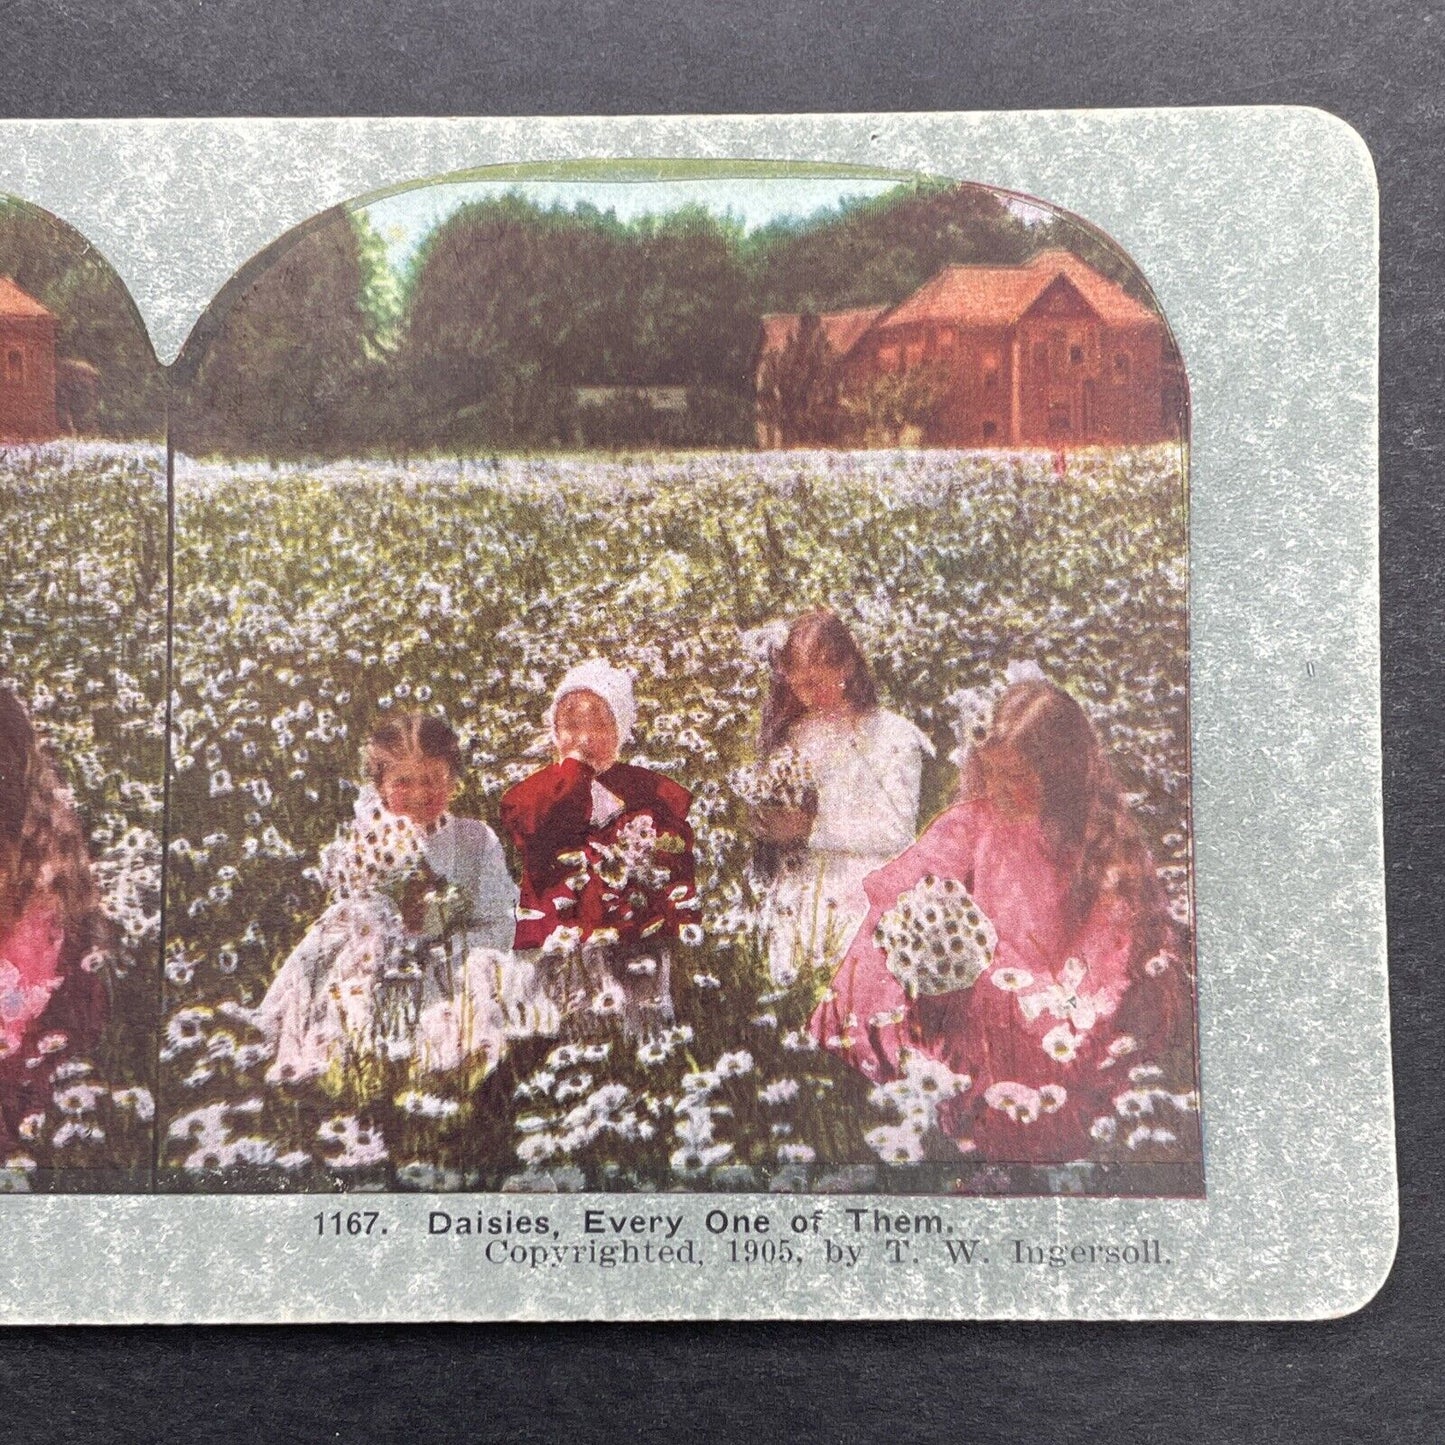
{"points": [[50, 918], [1081, 981]]}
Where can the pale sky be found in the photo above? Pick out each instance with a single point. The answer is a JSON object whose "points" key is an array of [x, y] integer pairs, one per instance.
{"points": [[404, 219]]}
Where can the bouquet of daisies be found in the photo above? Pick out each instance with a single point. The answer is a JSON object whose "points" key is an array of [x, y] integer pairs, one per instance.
{"points": [[381, 857], [781, 780], [632, 856], [936, 938]]}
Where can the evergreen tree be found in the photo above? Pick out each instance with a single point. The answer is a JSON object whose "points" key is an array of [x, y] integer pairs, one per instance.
{"points": [[798, 388], [382, 299]]}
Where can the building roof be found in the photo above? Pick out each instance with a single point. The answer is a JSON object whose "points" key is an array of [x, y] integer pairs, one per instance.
{"points": [[841, 329], [971, 296], [17, 303], [1000, 295]]}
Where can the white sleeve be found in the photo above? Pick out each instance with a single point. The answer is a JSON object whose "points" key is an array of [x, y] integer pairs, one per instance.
{"points": [[871, 804], [896, 760], [492, 894]]}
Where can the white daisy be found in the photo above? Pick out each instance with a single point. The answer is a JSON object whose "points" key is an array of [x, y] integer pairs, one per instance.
{"points": [[1021, 1103], [895, 1144], [1061, 1043]]}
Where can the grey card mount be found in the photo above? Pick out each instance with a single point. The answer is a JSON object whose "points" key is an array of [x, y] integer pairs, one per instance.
{"points": [[671, 718]]}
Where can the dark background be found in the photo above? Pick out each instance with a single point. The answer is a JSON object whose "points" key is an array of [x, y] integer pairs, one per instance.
{"points": [[1375, 1376]]}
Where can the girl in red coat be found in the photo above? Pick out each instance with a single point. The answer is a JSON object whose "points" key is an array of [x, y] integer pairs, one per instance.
{"points": [[608, 873], [1018, 983]]}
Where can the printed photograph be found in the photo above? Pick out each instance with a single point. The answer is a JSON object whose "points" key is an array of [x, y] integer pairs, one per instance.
{"points": [[674, 684], [83, 540]]}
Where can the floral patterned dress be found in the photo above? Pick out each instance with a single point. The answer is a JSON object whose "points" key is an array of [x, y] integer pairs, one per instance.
{"points": [[436, 988], [29, 972], [49, 1003], [1044, 1040]]}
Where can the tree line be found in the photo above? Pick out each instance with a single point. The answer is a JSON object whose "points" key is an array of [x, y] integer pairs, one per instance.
{"points": [[516, 326], [109, 382]]}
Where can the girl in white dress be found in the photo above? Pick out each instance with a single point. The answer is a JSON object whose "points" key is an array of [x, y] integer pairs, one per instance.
{"points": [[411, 960], [863, 768]]}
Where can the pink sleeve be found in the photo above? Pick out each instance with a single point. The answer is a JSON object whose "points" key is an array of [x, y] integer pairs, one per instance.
{"points": [[866, 1016], [945, 849], [29, 969]]}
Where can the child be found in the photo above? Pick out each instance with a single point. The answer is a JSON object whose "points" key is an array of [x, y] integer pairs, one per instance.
{"points": [[407, 961], [865, 765], [1050, 855], [607, 860], [50, 919]]}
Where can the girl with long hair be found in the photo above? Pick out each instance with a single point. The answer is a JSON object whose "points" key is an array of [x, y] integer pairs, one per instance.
{"points": [[51, 919], [1077, 978], [863, 766]]}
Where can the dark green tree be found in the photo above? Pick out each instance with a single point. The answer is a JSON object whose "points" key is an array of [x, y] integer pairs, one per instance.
{"points": [[110, 381], [511, 307], [798, 388], [693, 319], [876, 252], [285, 360], [492, 329]]}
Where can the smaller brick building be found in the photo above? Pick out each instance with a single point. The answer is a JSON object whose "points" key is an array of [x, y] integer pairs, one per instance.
{"points": [[27, 366], [1046, 354]]}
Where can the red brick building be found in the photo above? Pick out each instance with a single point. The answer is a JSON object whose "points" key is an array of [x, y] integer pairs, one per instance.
{"points": [[1046, 354], [27, 366]]}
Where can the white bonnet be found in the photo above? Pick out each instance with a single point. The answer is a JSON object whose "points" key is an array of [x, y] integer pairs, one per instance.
{"points": [[610, 683]]}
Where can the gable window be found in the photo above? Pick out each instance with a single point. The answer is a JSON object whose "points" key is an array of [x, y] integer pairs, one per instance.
{"points": [[990, 364], [15, 365], [1076, 355], [1121, 365]]}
